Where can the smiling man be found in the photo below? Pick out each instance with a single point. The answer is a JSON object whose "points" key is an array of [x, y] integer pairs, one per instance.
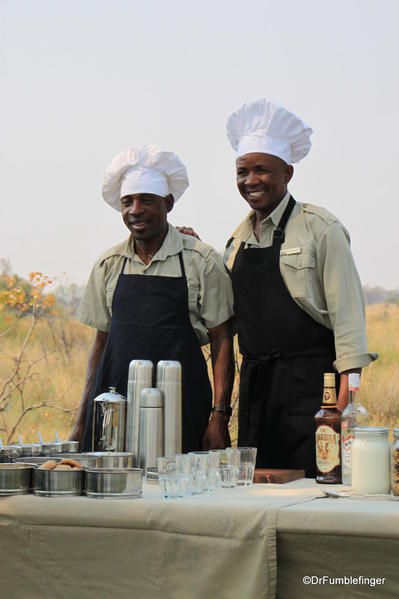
{"points": [[159, 295], [298, 300]]}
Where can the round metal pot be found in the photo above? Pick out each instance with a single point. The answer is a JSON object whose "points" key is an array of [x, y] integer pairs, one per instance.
{"points": [[58, 483], [110, 459], [114, 483], [15, 479]]}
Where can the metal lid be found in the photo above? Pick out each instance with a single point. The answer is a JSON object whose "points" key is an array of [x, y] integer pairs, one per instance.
{"points": [[168, 371], [110, 395], [11, 450], [150, 398], [140, 370], [361, 431]]}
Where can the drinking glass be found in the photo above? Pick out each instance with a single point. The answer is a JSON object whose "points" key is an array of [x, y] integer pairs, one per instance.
{"points": [[228, 476], [166, 468], [200, 467], [247, 465]]}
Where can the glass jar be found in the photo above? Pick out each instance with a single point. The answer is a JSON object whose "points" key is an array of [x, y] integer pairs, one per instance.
{"points": [[371, 460], [395, 462]]}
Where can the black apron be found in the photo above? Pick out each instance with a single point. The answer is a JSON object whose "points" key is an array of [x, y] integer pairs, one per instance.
{"points": [[150, 321], [285, 353]]}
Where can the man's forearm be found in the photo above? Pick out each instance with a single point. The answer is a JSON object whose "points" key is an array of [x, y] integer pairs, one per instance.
{"points": [[217, 433], [222, 357]]}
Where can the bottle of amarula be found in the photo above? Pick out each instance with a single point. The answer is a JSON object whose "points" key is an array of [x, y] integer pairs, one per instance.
{"points": [[328, 435]]}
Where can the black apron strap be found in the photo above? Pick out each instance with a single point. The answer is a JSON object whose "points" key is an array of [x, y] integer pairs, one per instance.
{"points": [[279, 232], [183, 272], [123, 265]]}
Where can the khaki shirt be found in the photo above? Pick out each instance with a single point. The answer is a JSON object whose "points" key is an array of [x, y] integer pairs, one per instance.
{"points": [[317, 266], [210, 296]]}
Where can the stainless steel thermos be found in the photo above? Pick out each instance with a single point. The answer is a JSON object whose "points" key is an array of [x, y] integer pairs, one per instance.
{"points": [[109, 417], [139, 378], [169, 383], [151, 429]]}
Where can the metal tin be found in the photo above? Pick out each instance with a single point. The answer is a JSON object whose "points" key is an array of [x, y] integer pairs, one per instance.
{"points": [[50, 448], [110, 483], [121, 459], [70, 446], [169, 383], [9, 453], [151, 429], [31, 449], [58, 483], [109, 422], [66, 446], [140, 377], [15, 479]]}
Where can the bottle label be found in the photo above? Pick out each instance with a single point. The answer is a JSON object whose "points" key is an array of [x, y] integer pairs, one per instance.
{"points": [[327, 448], [347, 437], [329, 396]]}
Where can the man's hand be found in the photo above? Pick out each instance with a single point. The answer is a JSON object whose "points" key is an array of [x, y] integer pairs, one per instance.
{"points": [[217, 434], [188, 231]]}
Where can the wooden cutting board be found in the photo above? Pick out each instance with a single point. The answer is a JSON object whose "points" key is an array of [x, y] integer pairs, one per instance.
{"points": [[276, 475]]}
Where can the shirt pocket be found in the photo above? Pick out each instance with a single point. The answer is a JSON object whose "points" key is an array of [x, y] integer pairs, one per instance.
{"points": [[193, 295], [298, 270]]}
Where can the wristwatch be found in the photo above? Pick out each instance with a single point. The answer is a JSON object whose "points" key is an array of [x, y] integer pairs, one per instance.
{"points": [[225, 409]]}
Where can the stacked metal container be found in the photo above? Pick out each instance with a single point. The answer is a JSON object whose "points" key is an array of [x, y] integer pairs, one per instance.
{"points": [[153, 415]]}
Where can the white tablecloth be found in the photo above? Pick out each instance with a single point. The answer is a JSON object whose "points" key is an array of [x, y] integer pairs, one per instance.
{"points": [[220, 546]]}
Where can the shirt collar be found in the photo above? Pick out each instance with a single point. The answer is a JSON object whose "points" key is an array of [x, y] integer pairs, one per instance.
{"points": [[246, 228], [172, 245]]}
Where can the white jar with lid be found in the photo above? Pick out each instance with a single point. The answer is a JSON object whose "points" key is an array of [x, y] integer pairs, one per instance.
{"points": [[371, 460]]}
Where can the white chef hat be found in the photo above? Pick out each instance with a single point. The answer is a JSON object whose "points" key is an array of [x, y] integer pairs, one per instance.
{"points": [[269, 128], [144, 169]]}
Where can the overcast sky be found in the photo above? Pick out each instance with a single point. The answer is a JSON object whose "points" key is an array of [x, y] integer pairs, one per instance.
{"points": [[82, 80]]}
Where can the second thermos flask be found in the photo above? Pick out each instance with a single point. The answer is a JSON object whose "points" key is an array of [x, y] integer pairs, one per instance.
{"points": [[139, 378], [169, 383], [151, 429]]}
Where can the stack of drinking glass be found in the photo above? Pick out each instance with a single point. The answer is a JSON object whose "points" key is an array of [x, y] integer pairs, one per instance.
{"points": [[200, 472]]}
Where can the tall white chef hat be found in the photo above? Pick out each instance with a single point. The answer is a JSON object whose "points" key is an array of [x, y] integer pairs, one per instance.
{"points": [[144, 169], [269, 128]]}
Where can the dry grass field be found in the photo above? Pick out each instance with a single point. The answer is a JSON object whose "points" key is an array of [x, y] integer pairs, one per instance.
{"points": [[56, 358]]}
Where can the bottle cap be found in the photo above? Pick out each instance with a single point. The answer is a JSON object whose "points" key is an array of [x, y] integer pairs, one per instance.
{"points": [[329, 379], [354, 381]]}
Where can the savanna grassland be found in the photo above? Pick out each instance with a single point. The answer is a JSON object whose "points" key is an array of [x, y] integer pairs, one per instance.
{"points": [[43, 364]]}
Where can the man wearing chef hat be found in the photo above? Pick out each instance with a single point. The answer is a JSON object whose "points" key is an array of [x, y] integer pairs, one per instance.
{"points": [[298, 300], [158, 295]]}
